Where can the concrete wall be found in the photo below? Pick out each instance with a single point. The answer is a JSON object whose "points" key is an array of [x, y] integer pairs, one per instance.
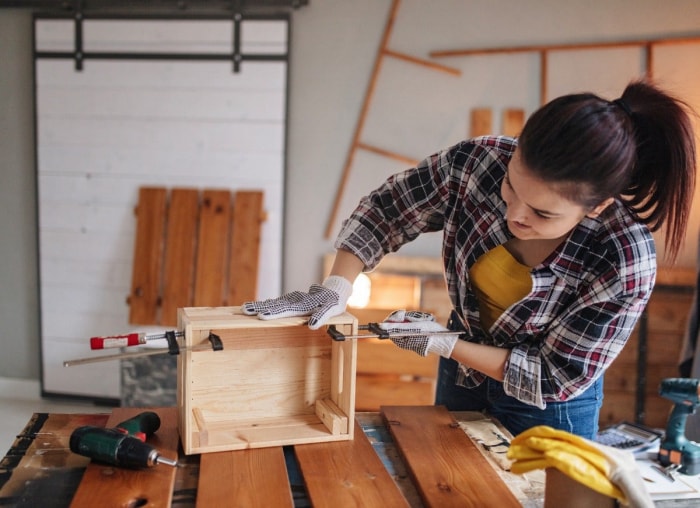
{"points": [[333, 47]]}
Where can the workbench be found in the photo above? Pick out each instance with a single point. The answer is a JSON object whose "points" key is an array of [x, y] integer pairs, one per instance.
{"points": [[40, 470]]}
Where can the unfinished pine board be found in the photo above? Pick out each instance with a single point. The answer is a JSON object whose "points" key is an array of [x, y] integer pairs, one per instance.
{"points": [[348, 473], [106, 485], [245, 247], [253, 478], [274, 383], [212, 246], [513, 121], [480, 122], [446, 467], [145, 280], [178, 270]]}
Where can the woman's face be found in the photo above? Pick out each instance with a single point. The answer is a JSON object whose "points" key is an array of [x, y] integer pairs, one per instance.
{"points": [[536, 210]]}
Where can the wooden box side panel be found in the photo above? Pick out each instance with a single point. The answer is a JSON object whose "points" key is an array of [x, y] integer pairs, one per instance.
{"points": [[260, 382]]}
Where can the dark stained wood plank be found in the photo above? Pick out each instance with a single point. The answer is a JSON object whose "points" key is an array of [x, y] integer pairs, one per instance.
{"points": [[445, 465], [180, 243], [148, 248], [251, 478], [212, 247], [106, 485], [347, 473], [39, 468], [245, 247]]}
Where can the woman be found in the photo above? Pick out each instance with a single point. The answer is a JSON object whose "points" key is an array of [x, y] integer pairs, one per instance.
{"points": [[547, 250]]}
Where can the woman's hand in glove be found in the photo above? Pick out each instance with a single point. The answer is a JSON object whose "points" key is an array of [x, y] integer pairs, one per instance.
{"points": [[322, 302], [417, 327]]}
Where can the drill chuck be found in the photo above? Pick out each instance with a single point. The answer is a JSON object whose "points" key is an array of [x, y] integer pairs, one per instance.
{"points": [[114, 447]]}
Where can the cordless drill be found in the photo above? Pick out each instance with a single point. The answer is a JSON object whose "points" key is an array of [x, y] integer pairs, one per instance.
{"points": [[675, 448], [122, 446]]}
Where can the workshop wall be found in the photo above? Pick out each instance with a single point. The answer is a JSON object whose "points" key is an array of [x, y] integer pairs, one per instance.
{"points": [[333, 47]]}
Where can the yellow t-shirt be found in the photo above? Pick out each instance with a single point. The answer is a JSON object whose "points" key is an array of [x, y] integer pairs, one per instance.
{"points": [[499, 281]]}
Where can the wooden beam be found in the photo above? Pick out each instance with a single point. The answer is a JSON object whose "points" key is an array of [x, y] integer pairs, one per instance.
{"points": [[425, 63], [345, 175], [387, 153], [562, 47]]}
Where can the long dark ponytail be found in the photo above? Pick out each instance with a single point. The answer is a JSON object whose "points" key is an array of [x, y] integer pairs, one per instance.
{"points": [[639, 148]]}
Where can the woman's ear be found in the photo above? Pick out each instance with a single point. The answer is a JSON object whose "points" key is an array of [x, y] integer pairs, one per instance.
{"points": [[599, 208]]}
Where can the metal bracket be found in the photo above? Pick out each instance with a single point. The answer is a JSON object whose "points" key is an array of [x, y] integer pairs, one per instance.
{"points": [[236, 54], [78, 50]]}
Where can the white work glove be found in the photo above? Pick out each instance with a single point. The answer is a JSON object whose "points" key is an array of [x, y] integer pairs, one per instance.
{"points": [[414, 322], [322, 302]]}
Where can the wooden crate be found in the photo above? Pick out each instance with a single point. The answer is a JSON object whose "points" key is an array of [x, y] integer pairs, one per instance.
{"points": [[274, 383]]}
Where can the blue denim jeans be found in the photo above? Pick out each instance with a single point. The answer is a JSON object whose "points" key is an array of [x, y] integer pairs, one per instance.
{"points": [[578, 416]]}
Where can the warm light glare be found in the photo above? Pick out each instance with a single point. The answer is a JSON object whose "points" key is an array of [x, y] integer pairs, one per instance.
{"points": [[360, 292]]}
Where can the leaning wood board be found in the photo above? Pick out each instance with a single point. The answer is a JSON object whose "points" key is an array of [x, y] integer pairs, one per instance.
{"points": [[148, 247], [210, 273], [248, 215], [107, 486], [445, 465], [180, 247]]}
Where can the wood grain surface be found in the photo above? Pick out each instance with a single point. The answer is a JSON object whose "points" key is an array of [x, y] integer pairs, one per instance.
{"points": [[347, 473], [250, 478], [108, 486], [446, 467]]}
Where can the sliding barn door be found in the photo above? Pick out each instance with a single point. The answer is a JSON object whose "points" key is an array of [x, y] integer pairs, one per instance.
{"points": [[126, 103]]}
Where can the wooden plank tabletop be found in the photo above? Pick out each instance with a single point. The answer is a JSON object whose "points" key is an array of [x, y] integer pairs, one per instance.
{"points": [[41, 471], [105, 485], [254, 478], [445, 464], [347, 473]]}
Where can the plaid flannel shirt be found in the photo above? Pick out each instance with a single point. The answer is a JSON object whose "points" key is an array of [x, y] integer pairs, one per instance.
{"points": [[586, 296]]}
